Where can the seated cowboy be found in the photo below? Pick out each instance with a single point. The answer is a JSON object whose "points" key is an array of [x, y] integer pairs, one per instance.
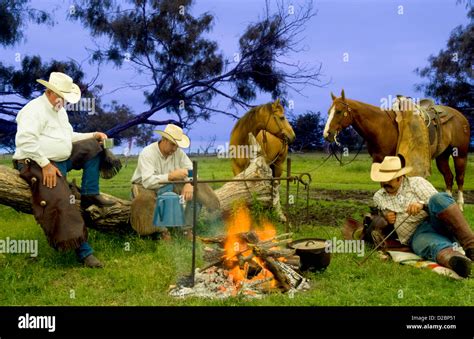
{"points": [[44, 141], [427, 221], [165, 161]]}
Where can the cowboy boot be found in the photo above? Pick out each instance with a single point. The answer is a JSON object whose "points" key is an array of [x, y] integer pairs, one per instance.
{"points": [[95, 199], [454, 260], [92, 262], [454, 220]]}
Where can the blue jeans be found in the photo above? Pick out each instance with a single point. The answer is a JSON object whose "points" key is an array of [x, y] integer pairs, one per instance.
{"points": [[84, 251], [432, 236], [90, 174]]}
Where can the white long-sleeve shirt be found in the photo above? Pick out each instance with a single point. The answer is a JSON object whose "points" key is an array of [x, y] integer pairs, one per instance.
{"points": [[44, 134], [153, 167]]}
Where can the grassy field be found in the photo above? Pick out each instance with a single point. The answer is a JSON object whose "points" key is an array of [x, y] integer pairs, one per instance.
{"points": [[139, 271]]}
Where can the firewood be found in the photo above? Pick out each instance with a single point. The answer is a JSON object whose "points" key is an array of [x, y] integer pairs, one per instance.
{"points": [[294, 278], [281, 252], [220, 239], [253, 283], [280, 243], [293, 261], [278, 237], [271, 251], [278, 273], [246, 270], [250, 237], [212, 255]]}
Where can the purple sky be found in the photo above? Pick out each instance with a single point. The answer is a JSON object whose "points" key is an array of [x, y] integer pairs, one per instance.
{"points": [[383, 46]]}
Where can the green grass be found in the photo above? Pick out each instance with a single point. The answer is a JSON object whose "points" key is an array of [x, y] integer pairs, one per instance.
{"points": [[142, 275]]}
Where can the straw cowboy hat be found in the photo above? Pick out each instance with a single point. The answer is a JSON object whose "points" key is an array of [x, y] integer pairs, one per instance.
{"points": [[62, 85], [390, 168], [175, 134]]}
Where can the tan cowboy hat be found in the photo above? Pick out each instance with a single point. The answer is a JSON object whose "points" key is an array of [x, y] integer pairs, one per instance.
{"points": [[390, 168], [62, 85], [175, 134]]}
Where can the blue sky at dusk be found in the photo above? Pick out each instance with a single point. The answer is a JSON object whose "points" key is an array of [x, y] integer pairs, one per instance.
{"points": [[383, 46]]}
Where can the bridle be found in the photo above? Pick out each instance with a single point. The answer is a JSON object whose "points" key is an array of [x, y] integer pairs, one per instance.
{"points": [[284, 140], [347, 114]]}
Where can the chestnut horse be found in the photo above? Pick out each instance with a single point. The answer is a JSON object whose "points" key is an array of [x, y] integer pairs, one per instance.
{"points": [[380, 131], [273, 132]]}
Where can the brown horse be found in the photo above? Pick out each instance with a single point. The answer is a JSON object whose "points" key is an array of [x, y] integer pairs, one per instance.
{"points": [[273, 132], [379, 129]]}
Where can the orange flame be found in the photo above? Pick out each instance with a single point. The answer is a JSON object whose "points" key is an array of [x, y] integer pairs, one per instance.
{"points": [[241, 222]]}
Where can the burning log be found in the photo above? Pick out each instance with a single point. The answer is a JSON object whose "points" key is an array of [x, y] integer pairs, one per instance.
{"points": [[279, 274]]}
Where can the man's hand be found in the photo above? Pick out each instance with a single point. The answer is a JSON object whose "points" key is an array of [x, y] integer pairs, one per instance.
{"points": [[391, 217], [49, 175], [414, 208], [187, 192], [178, 174], [100, 136]]}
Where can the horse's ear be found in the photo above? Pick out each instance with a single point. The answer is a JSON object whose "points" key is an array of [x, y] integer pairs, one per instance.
{"points": [[343, 96], [276, 104], [333, 96]]}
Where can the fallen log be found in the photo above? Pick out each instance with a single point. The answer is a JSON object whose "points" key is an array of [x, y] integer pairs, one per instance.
{"points": [[15, 192]]}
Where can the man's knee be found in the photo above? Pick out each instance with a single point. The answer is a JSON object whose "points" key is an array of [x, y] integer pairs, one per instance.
{"points": [[439, 202]]}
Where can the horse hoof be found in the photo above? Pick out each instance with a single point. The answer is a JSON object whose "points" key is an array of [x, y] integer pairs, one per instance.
{"points": [[461, 207]]}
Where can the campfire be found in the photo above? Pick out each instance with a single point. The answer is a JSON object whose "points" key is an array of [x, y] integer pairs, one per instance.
{"points": [[250, 260]]}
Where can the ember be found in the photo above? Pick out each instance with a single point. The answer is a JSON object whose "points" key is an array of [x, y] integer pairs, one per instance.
{"points": [[248, 261]]}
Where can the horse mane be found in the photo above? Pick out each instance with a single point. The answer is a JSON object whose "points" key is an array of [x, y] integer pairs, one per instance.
{"points": [[360, 103], [248, 118]]}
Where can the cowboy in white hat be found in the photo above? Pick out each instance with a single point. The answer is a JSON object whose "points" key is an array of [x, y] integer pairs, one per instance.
{"points": [[45, 137], [165, 161], [424, 219]]}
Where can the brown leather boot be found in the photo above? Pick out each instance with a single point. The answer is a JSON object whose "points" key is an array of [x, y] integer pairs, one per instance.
{"points": [[454, 220], [92, 262], [454, 260], [96, 199]]}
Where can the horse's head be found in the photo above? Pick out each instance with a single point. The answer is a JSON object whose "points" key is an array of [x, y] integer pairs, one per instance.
{"points": [[339, 117], [276, 123]]}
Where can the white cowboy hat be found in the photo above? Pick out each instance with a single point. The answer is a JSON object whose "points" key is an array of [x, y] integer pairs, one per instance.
{"points": [[390, 168], [175, 134], [62, 85]]}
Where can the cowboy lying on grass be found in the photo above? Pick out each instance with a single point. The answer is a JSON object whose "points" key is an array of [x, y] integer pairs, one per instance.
{"points": [[431, 234], [160, 162]]}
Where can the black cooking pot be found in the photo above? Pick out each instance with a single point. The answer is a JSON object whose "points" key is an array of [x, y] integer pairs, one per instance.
{"points": [[312, 253]]}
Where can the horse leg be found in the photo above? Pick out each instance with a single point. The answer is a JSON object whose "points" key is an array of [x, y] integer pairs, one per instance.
{"points": [[460, 163], [442, 162]]}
